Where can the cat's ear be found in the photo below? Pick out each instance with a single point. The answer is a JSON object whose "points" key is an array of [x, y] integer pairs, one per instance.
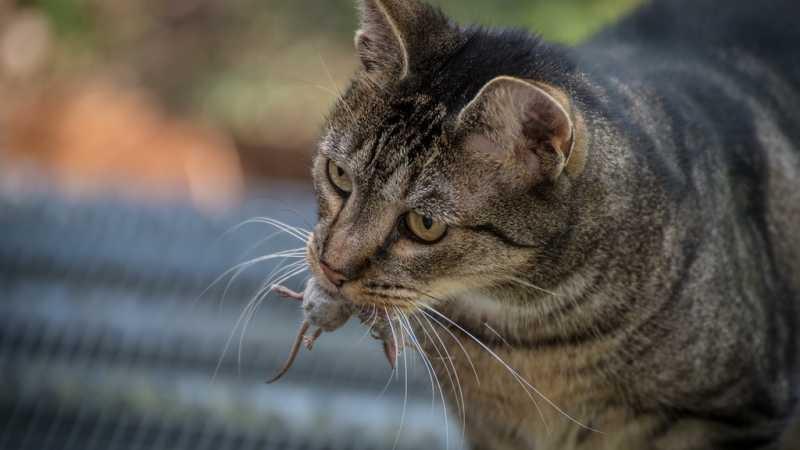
{"points": [[398, 35], [525, 126]]}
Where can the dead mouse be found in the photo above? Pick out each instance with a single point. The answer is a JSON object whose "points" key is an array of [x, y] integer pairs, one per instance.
{"points": [[328, 313], [321, 310]]}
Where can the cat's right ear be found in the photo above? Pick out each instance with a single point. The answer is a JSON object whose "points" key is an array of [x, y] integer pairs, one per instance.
{"points": [[527, 128], [379, 42], [397, 36]]}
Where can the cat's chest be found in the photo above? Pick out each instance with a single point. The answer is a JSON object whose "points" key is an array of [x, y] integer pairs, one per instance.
{"points": [[542, 399], [539, 398]]}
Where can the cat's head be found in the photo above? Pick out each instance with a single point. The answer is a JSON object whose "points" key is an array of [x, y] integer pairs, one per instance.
{"points": [[445, 165]]}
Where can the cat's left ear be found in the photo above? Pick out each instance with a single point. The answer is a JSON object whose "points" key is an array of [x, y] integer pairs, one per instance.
{"points": [[526, 127]]}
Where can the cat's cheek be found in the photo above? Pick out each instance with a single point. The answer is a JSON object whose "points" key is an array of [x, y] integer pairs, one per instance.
{"points": [[330, 203], [404, 248]]}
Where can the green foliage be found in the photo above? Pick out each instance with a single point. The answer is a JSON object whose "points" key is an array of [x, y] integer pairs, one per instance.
{"points": [[573, 21], [69, 18], [266, 69], [566, 21]]}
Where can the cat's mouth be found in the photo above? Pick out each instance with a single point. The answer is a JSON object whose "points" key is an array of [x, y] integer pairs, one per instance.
{"points": [[384, 308], [377, 310], [363, 294]]}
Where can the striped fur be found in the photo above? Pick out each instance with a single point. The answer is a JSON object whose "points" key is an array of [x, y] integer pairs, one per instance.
{"points": [[650, 290]]}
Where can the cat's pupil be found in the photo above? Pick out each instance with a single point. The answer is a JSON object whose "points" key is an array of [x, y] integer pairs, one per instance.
{"points": [[427, 222], [339, 171]]}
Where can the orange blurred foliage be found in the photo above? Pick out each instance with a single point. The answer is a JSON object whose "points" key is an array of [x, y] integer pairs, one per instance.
{"points": [[96, 137]]}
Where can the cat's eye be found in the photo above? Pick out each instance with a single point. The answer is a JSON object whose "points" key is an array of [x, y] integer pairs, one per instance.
{"points": [[424, 228], [339, 178]]}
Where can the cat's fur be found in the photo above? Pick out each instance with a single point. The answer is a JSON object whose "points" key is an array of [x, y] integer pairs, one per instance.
{"points": [[638, 253]]}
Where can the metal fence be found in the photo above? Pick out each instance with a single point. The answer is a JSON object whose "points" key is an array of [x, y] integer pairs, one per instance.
{"points": [[107, 343]]}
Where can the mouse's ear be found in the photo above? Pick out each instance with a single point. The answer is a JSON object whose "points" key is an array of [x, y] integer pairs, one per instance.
{"points": [[522, 125], [398, 36]]}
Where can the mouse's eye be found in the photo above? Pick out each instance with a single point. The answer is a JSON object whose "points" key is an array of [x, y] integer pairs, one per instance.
{"points": [[339, 178], [424, 228]]}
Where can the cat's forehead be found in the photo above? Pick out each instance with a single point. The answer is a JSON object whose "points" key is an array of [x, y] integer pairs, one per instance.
{"points": [[376, 138], [397, 149]]}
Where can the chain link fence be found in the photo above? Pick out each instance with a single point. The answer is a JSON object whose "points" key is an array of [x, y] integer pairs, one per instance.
{"points": [[109, 339]]}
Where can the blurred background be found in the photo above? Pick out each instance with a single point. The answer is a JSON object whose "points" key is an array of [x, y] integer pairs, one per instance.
{"points": [[135, 135]]}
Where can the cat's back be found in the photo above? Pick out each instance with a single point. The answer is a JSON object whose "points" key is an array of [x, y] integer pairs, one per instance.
{"points": [[768, 29], [693, 44], [709, 93]]}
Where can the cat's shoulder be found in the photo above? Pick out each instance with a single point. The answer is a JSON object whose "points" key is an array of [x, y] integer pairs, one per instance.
{"points": [[764, 25]]}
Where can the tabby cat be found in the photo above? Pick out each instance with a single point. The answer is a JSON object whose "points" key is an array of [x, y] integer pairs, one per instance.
{"points": [[608, 233]]}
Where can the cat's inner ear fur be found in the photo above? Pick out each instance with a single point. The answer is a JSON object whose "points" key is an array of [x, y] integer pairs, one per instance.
{"points": [[526, 127], [397, 35]]}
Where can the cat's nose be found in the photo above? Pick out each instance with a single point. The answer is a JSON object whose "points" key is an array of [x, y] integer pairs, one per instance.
{"points": [[333, 276]]}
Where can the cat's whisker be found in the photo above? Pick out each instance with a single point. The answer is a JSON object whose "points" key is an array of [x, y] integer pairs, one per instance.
{"points": [[405, 385], [260, 242], [397, 348], [513, 371], [447, 330], [297, 232], [249, 310], [292, 253], [428, 367], [463, 349], [373, 319], [254, 308], [457, 388], [296, 228], [394, 366], [388, 382], [454, 384], [548, 308], [435, 376], [239, 320], [293, 270], [285, 255], [336, 95], [245, 311], [325, 89], [336, 89], [489, 327], [532, 286], [277, 272]]}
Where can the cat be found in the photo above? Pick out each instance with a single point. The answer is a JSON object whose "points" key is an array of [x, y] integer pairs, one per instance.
{"points": [[604, 236]]}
